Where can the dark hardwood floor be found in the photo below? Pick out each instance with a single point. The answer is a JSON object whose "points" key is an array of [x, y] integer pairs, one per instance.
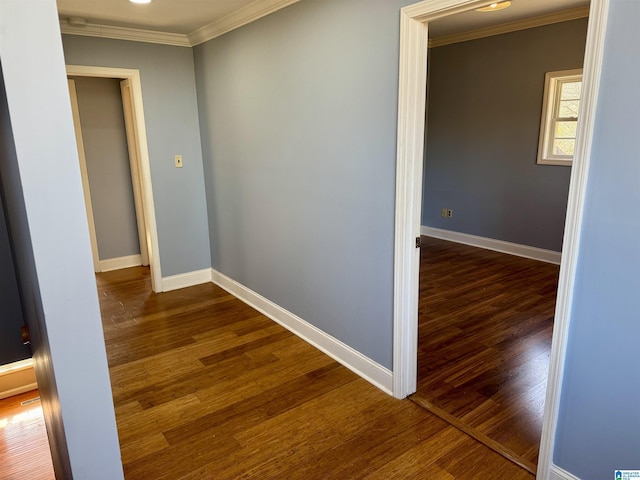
{"points": [[207, 388], [485, 326], [24, 448]]}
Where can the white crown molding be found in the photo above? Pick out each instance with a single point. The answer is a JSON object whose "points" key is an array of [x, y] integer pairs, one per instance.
{"points": [[124, 33], [262, 8], [540, 21], [243, 16]]}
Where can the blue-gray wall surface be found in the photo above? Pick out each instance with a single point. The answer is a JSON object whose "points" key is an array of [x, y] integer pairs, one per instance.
{"points": [[485, 104], [298, 123], [107, 156], [11, 319], [27, 278], [171, 117], [42, 191], [599, 423]]}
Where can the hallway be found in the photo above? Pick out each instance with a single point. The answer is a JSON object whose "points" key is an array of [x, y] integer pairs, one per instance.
{"points": [[206, 387]]}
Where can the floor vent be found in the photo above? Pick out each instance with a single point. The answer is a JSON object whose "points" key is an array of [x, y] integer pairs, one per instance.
{"points": [[29, 402]]}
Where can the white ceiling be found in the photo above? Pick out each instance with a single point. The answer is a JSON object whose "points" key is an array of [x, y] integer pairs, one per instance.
{"points": [[185, 16], [171, 16]]}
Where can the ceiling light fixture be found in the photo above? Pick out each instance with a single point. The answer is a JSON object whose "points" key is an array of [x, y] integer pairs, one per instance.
{"points": [[77, 22], [494, 7], [140, 1]]}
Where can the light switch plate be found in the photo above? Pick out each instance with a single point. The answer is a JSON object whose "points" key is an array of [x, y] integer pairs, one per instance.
{"points": [[178, 160]]}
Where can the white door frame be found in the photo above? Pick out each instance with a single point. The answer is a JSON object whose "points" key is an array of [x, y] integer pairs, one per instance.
{"points": [[410, 148], [134, 162], [86, 190], [144, 168]]}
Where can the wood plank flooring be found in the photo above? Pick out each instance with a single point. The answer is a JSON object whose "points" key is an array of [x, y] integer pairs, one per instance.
{"points": [[24, 448], [485, 326], [207, 388]]}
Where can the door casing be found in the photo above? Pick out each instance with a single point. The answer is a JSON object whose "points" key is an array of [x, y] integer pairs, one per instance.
{"points": [[140, 167], [409, 165]]}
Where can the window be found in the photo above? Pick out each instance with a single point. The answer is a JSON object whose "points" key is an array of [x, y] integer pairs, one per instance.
{"points": [[562, 91]]}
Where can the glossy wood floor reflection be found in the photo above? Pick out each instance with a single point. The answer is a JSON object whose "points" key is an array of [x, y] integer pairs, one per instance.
{"points": [[207, 388], [24, 448], [485, 328]]}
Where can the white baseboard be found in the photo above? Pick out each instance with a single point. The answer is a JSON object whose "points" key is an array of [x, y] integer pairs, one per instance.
{"points": [[120, 262], [558, 473], [526, 251], [183, 280], [17, 378], [371, 371]]}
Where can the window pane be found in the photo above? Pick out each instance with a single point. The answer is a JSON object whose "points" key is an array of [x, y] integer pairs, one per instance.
{"points": [[563, 146], [570, 90], [569, 108], [565, 129]]}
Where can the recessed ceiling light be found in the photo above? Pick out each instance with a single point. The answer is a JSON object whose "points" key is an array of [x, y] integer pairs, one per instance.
{"points": [[140, 1], [77, 22], [494, 7]]}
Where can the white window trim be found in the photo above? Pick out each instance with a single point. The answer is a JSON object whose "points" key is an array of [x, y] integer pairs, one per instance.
{"points": [[550, 99]]}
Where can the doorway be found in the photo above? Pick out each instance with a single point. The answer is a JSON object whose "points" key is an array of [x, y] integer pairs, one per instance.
{"points": [[109, 168], [486, 312], [411, 105], [135, 240]]}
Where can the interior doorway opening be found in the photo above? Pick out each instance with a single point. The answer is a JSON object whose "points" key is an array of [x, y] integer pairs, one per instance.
{"points": [[492, 224], [411, 120], [142, 223]]}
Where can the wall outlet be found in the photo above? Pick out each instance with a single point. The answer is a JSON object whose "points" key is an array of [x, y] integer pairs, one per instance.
{"points": [[449, 213], [178, 161], [443, 212]]}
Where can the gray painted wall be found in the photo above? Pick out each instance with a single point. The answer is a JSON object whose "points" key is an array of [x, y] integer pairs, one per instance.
{"points": [[485, 103], [11, 319], [28, 284], [171, 116], [42, 189], [599, 421], [108, 168], [599, 424], [298, 121]]}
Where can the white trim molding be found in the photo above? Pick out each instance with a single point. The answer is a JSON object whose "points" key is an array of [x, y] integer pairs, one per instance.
{"points": [[411, 104], [17, 378], [526, 251], [363, 366], [573, 227], [124, 33], [412, 86], [184, 280], [558, 473], [411, 121], [120, 262], [261, 8], [242, 16], [148, 204], [533, 22], [86, 188]]}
